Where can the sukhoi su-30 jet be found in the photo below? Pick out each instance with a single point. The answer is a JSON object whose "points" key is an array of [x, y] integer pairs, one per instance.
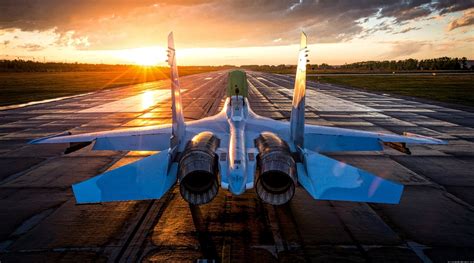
{"points": [[238, 150]]}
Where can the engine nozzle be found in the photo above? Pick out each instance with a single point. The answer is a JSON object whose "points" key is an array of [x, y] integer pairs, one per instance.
{"points": [[277, 170], [198, 169]]}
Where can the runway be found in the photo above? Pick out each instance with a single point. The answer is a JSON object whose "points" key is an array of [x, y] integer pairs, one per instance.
{"points": [[39, 220]]}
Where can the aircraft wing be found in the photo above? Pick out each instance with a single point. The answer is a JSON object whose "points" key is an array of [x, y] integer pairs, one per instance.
{"points": [[332, 139], [152, 138]]}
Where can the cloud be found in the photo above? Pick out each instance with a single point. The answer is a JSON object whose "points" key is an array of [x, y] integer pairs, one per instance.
{"points": [[449, 6], [384, 26], [405, 48], [211, 23], [466, 20], [32, 47], [408, 29], [407, 10], [68, 39]]}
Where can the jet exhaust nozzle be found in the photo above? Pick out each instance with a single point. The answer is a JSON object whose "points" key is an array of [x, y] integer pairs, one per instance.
{"points": [[198, 169], [277, 170]]}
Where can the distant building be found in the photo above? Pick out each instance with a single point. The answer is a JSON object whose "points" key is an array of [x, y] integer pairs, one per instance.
{"points": [[469, 64]]}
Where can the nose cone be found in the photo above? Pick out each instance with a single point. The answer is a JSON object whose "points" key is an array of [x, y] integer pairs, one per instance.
{"points": [[236, 183]]}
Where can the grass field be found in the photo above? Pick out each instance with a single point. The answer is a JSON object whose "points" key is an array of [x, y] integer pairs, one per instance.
{"points": [[24, 87], [457, 89]]}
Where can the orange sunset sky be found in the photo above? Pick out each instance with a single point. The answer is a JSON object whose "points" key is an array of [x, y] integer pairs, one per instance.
{"points": [[211, 32]]}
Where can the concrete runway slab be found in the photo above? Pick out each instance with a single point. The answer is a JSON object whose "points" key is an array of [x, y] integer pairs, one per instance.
{"points": [[40, 221]]}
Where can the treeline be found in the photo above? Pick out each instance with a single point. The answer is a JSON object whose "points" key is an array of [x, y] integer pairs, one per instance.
{"points": [[271, 68], [443, 63], [34, 66]]}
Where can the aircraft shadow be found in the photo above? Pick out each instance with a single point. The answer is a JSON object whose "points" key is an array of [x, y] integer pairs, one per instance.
{"points": [[206, 244]]}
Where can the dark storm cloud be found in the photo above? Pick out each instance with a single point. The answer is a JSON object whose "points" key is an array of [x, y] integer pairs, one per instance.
{"points": [[120, 23], [407, 10], [44, 14], [449, 6]]}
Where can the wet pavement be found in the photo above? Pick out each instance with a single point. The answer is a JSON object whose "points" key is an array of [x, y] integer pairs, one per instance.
{"points": [[39, 220]]}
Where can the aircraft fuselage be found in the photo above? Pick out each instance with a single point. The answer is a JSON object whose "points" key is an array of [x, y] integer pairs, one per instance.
{"points": [[237, 113]]}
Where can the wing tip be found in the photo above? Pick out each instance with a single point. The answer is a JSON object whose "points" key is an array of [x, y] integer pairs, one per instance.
{"points": [[431, 140], [43, 139]]}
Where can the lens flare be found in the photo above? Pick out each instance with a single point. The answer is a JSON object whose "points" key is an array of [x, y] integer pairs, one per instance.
{"points": [[145, 56]]}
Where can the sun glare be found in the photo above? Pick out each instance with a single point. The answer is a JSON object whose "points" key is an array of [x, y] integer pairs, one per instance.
{"points": [[145, 56], [148, 99]]}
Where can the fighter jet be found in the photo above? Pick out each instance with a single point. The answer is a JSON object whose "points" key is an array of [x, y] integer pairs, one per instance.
{"points": [[238, 150]]}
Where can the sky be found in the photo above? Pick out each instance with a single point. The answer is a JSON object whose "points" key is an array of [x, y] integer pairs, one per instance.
{"points": [[219, 32]]}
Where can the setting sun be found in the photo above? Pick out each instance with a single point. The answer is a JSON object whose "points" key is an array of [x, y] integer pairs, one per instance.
{"points": [[145, 56]]}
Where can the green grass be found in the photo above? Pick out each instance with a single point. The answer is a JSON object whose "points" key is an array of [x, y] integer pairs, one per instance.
{"points": [[451, 88], [24, 87]]}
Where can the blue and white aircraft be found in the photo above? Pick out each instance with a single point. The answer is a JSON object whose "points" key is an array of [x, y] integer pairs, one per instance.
{"points": [[238, 150]]}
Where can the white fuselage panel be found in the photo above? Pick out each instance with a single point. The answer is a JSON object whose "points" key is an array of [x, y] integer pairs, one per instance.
{"points": [[237, 113]]}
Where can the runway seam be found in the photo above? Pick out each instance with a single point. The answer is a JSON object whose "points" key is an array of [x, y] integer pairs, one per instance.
{"points": [[359, 246]]}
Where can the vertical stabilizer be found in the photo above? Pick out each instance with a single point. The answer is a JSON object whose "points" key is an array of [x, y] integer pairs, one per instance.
{"points": [[297, 111], [176, 104]]}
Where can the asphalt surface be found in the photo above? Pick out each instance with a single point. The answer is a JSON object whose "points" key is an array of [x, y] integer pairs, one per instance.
{"points": [[40, 222]]}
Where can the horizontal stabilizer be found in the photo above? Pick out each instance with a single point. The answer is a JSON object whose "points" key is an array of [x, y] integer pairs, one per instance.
{"points": [[328, 179], [147, 178]]}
